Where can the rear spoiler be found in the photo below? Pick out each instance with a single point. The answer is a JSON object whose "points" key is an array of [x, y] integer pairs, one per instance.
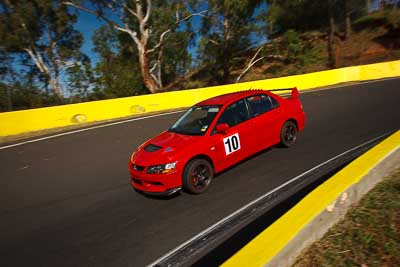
{"points": [[295, 92]]}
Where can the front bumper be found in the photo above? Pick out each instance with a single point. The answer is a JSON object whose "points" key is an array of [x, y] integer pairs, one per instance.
{"points": [[168, 192], [155, 184]]}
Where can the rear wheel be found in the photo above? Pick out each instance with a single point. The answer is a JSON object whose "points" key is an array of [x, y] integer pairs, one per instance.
{"points": [[288, 134], [197, 176]]}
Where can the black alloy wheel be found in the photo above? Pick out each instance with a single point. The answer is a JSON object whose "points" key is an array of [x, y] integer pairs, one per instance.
{"points": [[197, 176], [288, 134]]}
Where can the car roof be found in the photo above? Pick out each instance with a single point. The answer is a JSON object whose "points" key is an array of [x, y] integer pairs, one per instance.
{"points": [[231, 97]]}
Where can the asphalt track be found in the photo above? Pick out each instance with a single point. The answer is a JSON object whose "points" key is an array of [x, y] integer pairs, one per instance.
{"points": [[67, 201]]}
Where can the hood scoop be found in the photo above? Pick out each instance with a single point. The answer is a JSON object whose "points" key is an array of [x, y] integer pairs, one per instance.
{"points": [[152, 148]]}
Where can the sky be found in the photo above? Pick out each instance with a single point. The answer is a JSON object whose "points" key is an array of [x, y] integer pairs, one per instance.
{"points": [[87, 25]]}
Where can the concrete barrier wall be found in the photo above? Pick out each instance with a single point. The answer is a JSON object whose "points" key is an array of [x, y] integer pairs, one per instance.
{"points": [[18, 122]]}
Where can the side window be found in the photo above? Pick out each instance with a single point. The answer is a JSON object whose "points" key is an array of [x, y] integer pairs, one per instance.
{"points": [[260, 104], [234, 114], [274, 102]]}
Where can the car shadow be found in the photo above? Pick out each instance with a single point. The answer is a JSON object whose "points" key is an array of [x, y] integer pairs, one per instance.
{"points": [[169, 197], [249, 158]]}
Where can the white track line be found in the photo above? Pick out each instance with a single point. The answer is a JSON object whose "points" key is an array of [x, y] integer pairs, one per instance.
{"points": [[209, 229], [158, 115], [87, 129]]}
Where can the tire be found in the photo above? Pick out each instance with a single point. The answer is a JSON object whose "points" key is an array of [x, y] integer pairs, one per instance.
{"points": [[288, 134], [197, 176]]}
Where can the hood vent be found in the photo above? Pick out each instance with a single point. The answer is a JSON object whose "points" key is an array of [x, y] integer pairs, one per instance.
{"points": [[152, 148]]}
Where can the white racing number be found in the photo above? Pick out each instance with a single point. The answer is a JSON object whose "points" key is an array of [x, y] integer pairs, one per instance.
{"points": [[231, 143]]}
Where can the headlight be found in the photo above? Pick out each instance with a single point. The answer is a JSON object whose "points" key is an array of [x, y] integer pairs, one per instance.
{"points": [[162, 168]]}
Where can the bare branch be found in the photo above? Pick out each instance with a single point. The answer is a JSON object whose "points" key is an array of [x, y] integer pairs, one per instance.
{"points": [[130, 10], [213, 41], [115, 25], [36, 60], [98, 14], [252, 62], [275, 57], [159, 42], [256, 54], [177, 15], [139, 10], [201, 13], [162, 36], [154, 67], [133, 34], [148, 12], [155, 79]]}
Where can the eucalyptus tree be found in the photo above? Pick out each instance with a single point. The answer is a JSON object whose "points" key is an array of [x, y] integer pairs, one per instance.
{"points": [[42, 31], [149, 23], [79, 80], [304, 15], [225, 33], [114, 74]]}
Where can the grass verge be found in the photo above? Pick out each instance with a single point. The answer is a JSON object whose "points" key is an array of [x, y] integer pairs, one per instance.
{"points": [[368, 235]]}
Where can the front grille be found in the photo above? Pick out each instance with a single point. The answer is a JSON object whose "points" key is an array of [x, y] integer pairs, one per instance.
{"points": [[137, 181], [137, 167]]}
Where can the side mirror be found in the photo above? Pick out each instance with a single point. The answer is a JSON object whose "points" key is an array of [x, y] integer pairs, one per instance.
{"points": [[222, 128]]}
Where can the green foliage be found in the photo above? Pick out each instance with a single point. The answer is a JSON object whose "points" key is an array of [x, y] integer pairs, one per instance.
{"points": [[19, 96], [176, 59], [305, 15], [194, 84], [387, 17], [41, 35], [117, 72], [79, 81], [294, 45], [226, 35], [292, 48]]}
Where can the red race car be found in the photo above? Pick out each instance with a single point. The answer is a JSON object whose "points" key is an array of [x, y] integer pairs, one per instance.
{"points": [[212, 136]]}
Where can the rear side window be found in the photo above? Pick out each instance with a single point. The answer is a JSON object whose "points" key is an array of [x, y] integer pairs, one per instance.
{"points": [[260, 104], [274, 102]]}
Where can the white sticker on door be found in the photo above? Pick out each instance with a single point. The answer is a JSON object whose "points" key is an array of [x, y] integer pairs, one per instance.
{"points": [[231, 143]]}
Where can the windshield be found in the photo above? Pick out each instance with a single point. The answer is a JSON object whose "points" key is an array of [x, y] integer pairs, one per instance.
{"points": [[196, 120]]}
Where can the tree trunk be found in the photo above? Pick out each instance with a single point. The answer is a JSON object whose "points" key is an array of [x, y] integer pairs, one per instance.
{"points": [[40, 64], [145, 72], [9, 98], [55, 86], [382, 4], [367, 5], [331, 38], [226, 52], [140, 36], [348, 19], [160, 62]]}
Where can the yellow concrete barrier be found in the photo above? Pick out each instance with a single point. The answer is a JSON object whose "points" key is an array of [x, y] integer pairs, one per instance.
{"points": [[17, 122], [262, 249]]}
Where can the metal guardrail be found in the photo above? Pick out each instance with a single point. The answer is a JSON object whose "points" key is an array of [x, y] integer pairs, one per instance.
{"points": [[194, 249]]}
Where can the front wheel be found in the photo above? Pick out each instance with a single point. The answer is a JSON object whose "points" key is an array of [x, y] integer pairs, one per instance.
{"points": [[288, 134], [197, 176]]}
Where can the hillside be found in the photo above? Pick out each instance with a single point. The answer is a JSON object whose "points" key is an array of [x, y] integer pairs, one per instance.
{"points": [[374, 38]]}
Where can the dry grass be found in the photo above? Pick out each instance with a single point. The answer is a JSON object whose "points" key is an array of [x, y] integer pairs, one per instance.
{"points": [[369, 235]]}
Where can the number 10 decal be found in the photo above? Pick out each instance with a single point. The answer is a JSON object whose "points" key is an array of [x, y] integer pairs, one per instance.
{"points": [[231, 143]]}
